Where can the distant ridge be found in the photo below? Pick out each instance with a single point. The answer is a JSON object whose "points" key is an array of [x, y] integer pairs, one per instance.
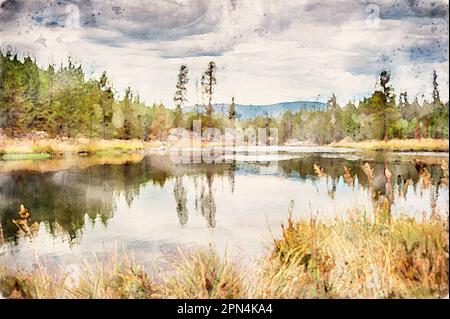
{"points": [[248, 111]]}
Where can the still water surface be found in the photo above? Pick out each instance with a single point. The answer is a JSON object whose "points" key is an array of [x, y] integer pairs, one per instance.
{"points": [[149, 206]]}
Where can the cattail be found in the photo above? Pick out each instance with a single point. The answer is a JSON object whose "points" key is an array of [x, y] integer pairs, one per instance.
{"points": [[23, 221], [444, 167], [368, 171], [319, 171], [389, 191], [426, 178], [22, 224], [24, 213], [388, 175], [348, 178]]}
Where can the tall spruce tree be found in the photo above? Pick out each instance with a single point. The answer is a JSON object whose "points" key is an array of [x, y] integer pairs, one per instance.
{"points": [[208, 82], [436, 98], [232, 110], [180, 95], [106, 103]]}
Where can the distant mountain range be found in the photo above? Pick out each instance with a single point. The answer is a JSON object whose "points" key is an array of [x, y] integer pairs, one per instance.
{"points": [[251, 111]]}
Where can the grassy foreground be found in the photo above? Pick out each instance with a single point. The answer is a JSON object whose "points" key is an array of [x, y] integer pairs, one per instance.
{"points": [[351, 258], [425, 144]]}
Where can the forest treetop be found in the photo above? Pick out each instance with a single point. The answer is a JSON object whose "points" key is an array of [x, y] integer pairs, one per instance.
{"points": [[61, 102]]}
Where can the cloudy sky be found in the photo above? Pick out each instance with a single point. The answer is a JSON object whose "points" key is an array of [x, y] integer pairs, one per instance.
{"points": [[266, 51]]}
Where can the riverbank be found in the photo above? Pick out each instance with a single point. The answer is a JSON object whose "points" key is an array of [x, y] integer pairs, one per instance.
{"points": [[61, 163], [352, 258], [29, 149], [408, 145], [22, 149]]}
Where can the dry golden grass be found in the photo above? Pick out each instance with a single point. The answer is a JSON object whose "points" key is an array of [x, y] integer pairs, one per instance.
{"points": [[351, 258], [114, 278], [117, 278], [203, 274], [74, 146], [17, 283], [425, 144], [58, 163], [358, 259]]}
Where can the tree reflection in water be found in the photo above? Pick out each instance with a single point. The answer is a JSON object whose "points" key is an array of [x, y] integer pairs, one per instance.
{"points": [[181, 200], [207, 203], [64, 199]]}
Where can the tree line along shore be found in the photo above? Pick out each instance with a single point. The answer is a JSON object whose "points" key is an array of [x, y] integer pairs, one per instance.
{"points": [[30, 149], [54, 106]]}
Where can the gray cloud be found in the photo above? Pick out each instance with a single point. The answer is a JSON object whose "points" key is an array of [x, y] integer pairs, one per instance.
{"points": [[9, 9], [173, 29], [172, 19], [160, 21], [429, 50], [49, 13], [342, 11], [266, 49], [415, 8]]}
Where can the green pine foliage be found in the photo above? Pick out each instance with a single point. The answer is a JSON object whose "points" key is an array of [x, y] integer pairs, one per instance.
{"points": [[62, 103]]}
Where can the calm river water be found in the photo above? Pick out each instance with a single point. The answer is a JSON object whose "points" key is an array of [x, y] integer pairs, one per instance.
{"points": [[149, 206]]}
